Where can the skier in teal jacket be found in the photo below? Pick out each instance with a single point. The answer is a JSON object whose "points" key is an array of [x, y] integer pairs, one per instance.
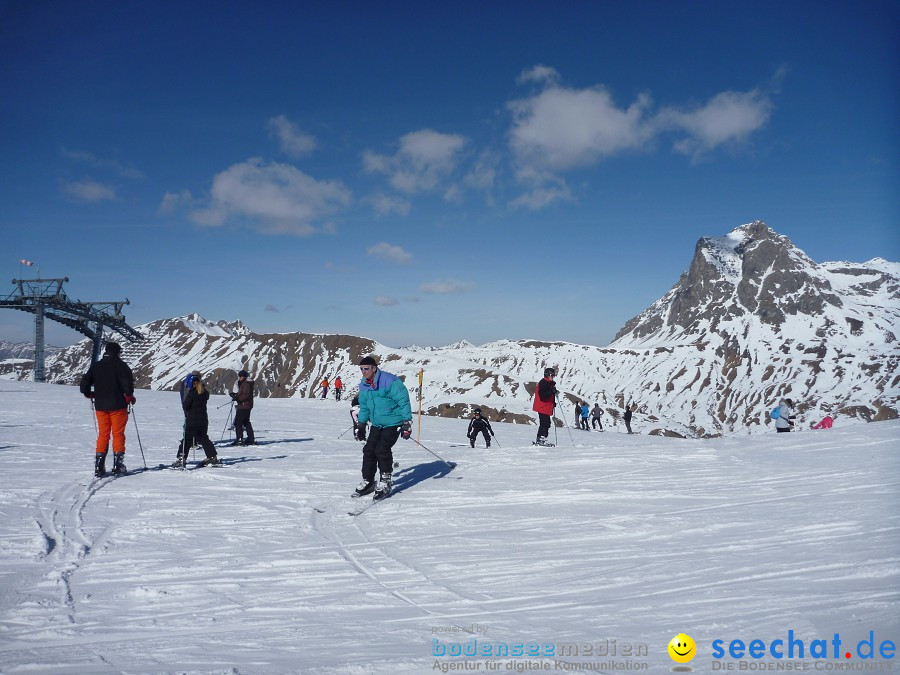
{"points": [[384, 402]]}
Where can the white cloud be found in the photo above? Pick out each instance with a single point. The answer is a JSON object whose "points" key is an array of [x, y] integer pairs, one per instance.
{"points": [[101, 163], [275, 198], [540, 74], [172, 201], [293, 142], [423, 160], [446, 287], [386, 205], [560, 129], [384, 301], [88, 190], [727, 118], [394, 254]]}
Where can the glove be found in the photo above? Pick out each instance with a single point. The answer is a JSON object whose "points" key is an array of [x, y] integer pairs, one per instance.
{"points": [[90, 396], [130, 399], [233, 396], [406, 430]]}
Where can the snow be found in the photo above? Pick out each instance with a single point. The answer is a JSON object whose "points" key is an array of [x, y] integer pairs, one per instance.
{"points": [[258, 568]]}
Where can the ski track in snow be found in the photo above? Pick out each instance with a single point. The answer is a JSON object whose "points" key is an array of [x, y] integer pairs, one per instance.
{"points": [[256, 567]]}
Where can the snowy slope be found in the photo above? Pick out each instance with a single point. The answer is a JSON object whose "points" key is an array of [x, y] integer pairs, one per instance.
{"points": [[257, 568]]}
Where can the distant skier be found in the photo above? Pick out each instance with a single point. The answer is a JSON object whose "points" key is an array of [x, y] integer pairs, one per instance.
{"points": [[785, 420], [383, 400], [325, 388], [628, 410], [243, 397], [196, 425], [544, 402], [338, 388], [109, 383], [826, 423], [585, 413], [359, 430], [479, 425], [596, 413]]}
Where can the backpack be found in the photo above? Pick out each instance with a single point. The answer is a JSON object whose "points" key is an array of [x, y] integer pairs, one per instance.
{"points": [[776, 413]]}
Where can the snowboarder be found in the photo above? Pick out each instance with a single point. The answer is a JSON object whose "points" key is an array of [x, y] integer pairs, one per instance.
{"points": [[544, 402], [585, 413], [359, 430], [243, 397], [785, 420], [325, 388], [628, 410], [826, 423], [596, 413], [113, 391], [338, 388], [383, 401], [479, 424], [196, 425]]}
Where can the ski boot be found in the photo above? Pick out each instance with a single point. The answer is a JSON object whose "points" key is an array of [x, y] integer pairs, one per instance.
{"points": [[212, 460], [471, 442], [364, 488], [542, 441], [100, 464], [119, 463], [383, 489]]}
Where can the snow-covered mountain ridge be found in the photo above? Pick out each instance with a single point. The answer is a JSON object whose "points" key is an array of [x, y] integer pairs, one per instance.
{"points": [[753, 319]]}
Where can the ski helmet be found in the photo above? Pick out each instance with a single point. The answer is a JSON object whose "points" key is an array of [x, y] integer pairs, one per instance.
{"points": [[549, 372], [477, 411]]}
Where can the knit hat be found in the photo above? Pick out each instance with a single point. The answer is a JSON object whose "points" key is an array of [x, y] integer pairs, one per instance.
{"points": [[113, 348], [243, 373], [368, 361]]}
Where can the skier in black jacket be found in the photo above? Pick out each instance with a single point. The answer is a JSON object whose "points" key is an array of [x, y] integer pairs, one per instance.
{"points": [[110, 385], [196, 425], [479, 425]]}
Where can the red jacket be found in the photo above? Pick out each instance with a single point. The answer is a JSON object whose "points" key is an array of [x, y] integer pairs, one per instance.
{"points": [[338, 384], [544, 397]]}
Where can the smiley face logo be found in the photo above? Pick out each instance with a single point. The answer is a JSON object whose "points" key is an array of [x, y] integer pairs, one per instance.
{"points": [[682, 648]]}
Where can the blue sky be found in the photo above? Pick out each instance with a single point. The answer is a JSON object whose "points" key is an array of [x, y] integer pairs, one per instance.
{"points": [[430, 172]]}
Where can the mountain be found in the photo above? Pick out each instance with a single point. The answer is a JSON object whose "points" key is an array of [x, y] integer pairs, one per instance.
{"points": [[753, 319]]}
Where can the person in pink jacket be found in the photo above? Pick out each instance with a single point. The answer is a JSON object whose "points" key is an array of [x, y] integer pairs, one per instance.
{"points": [[825, 423]]}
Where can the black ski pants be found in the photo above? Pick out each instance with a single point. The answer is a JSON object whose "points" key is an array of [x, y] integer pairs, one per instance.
{"points": [[198, 434], [595, 422], [241, 422], [544, 425], [377, 452], [487, 437]]}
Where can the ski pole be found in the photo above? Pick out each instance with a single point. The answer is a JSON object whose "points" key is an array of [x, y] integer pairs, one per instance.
{"points": [[94, 417], [566, 424], [345, 431], [230, 410], [433, 453], [496, 441], [137, 431]]}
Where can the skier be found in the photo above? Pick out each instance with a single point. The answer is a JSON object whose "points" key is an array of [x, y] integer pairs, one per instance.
{"points": [[596, 412], [544, 402], [628, 410], [826, 423], [585, 413], [338, 388], [325, 388], [383, 400], [359, 430], [196, 425], [481, 425], [785, 420], [243, 397], [113, 391]]}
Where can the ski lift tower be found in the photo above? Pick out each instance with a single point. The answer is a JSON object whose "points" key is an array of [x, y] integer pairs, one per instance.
{"points": [[45, 298]]}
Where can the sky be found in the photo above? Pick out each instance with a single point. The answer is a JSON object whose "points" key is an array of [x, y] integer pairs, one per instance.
{"points": [[423, 173]]}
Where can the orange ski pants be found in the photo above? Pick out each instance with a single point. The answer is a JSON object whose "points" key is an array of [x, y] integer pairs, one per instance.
{"points": [[111, 422]]}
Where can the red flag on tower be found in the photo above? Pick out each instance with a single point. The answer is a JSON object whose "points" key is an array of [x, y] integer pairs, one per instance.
{"points": [[26, 262]]}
